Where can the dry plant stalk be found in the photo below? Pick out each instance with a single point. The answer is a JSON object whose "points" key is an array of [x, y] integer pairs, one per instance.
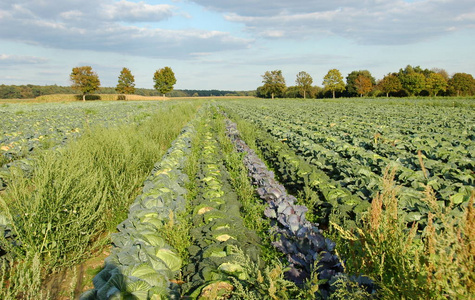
{"points": [[469, 226], [421, 162], [389, 195], [375, 213]]}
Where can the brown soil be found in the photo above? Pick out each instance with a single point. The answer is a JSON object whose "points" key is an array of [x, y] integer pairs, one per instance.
{"points": [[71, 283]]}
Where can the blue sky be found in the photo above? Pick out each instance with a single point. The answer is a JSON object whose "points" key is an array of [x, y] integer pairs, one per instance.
{"points": [[228, 45]]}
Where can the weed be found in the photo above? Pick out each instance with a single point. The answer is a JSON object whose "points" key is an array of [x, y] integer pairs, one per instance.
{"points": [[437, 266]]}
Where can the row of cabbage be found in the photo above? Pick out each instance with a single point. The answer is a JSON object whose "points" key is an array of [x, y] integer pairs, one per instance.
{"points": [[218, 230], [351, 168]]}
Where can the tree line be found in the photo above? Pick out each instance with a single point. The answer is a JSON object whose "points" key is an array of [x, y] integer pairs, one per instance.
{"points": [[408, 82], [30, 91], [85, 81]]}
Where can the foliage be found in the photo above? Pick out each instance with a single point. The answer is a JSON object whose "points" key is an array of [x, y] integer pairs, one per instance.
{"points": [[435, 83], [164, 80], [333, 81], [33, 91], [274, 83], [352, 85], [126, 84], [389, 84], [304, 82], [363, 85], [49, 124], [462, 84], [409, 231], [307, 251], [85, 80], [413, 82]]}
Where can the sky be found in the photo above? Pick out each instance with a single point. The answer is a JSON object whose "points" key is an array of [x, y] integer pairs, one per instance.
{"points": [[230, 44]]}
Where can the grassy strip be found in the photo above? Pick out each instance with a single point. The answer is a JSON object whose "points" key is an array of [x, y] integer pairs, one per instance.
{"points": [[79, 193], [252, 209]]}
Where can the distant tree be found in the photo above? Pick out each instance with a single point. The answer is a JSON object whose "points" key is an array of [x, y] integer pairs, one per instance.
{"points": [[413, 79], [363, 85], [414, 83], [274, 83], [389, 84], [84, 80], [333, 81], [164, 80], [293, 92], [351, 78], [441, 72], [315, 91], [26, 92], [126, 84], [435, 82], [462, 84], [304, 82]]}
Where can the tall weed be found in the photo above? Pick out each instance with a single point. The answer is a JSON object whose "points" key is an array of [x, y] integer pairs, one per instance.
{"points": [[436, 265]]}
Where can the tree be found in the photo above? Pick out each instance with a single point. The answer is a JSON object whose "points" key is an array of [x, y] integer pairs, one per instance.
{"points": [[84, 80], [333, 81], [274, 83], [363, 85], [164, 80], [351, 78], [126, 84], [390, 84], [304, 82], [441, 72], [435, 82], [462, 84], [292, 92], [413, 80]]}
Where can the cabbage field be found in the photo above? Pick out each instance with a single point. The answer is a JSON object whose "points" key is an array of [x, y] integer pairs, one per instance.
{"points": [[240, 199]]}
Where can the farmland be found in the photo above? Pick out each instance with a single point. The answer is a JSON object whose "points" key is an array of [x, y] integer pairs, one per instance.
{"points": [[245, 198]]}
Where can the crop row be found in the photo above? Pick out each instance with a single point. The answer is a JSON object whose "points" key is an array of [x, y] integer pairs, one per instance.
{"points": [[218, 231], [358, 170], [306, 249]]}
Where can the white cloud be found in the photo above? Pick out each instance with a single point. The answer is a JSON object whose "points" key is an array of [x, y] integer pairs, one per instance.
{"points": [[137, 12], [72, 15], [366, 22], [105, 25], [6, 59]]}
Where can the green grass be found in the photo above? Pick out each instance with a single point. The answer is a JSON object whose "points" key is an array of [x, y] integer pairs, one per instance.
{"points": [[78, 194]]}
